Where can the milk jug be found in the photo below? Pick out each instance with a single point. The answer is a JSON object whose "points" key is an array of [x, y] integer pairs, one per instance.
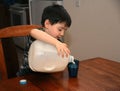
{"points": [[43, 57]]}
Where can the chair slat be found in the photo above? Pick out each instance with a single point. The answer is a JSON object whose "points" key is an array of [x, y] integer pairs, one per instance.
{"points": [[9, 64]]}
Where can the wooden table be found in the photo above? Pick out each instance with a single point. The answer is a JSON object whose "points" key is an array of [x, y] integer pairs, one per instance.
{"points": [[96, 74]]}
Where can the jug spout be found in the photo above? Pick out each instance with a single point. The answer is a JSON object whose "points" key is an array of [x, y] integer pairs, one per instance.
{"points": [[71, 59]]}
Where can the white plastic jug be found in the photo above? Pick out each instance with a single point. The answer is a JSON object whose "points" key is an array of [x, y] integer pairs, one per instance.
{"points": [[43, 57]]}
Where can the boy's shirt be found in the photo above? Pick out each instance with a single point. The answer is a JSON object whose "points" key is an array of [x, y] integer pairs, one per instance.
{"points": [[24, 68]]}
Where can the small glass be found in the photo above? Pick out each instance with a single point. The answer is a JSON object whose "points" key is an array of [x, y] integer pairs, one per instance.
{"points": [[73, 68]]}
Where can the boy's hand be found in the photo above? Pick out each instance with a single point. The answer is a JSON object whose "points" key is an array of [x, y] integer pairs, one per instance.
{"points": [[62, 49]]}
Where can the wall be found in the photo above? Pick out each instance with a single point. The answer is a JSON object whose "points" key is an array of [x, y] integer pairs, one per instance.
{"points": [[95, 30]]}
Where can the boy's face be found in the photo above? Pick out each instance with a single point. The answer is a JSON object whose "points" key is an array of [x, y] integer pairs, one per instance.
{"points": [[56, 30]]}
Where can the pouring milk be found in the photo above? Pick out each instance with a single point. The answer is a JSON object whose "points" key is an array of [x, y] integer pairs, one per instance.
{"points": [[43, 57]]}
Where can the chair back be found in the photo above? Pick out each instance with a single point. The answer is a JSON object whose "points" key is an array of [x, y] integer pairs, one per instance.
{"points": [[9, 63]]}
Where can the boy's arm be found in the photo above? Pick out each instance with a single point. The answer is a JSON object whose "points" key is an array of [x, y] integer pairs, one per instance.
{"points": [[43, 36]]}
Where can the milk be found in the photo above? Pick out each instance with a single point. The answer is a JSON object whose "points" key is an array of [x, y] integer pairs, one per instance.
{"points": [[43, 57]]}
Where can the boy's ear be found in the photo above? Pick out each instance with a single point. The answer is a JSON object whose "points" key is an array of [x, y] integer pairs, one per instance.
{"points": [[47, 23]]}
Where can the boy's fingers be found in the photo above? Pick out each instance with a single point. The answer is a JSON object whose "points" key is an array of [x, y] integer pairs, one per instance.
{"points": [[65, 53]]}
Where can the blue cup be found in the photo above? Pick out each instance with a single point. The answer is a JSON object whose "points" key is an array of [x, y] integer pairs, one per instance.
{"points": [[73, 68]]}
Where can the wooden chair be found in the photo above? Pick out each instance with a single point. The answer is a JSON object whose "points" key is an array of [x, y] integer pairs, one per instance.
{"points": [[9, 63]]}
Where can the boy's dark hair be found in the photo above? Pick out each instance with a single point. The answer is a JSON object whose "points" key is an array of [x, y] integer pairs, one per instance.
{"points": [[56, 14]]}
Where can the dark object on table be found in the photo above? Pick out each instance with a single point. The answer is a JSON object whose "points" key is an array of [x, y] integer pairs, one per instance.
{"points": [[73, 68]]}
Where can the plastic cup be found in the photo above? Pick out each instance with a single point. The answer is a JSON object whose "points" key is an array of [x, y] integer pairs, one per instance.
{"points": [[73, 68]]}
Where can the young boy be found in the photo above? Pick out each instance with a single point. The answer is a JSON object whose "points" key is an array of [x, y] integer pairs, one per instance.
{"points": [[55, 21]]}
